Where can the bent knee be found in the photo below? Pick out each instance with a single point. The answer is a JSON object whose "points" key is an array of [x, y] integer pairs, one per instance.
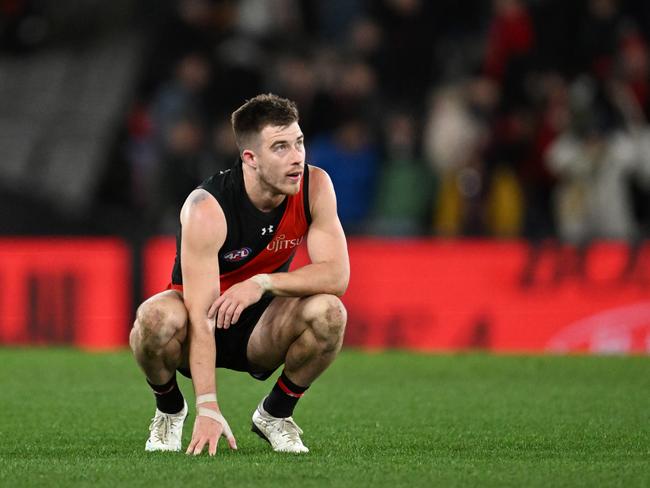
{"points": [[326, 315], [155, 325]]}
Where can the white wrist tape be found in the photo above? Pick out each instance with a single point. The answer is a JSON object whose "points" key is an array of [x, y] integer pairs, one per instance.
{"points": [[208, 397], [264, 280], [207, 412]]}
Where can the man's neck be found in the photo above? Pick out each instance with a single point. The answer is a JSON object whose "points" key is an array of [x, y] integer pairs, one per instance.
{"points": [[262, 197]]}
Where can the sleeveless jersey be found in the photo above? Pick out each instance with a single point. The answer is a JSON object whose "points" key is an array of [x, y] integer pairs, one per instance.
{"points": [[256, 242]]}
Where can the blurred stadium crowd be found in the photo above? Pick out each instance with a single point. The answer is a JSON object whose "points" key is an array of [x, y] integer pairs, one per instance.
{"points": [[508, 118]]}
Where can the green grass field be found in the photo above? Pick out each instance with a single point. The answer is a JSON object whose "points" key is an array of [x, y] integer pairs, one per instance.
{"points": [[69, 418]]}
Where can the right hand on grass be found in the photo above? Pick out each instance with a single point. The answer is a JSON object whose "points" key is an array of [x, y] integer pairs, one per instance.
{"points": [[207, 431]]}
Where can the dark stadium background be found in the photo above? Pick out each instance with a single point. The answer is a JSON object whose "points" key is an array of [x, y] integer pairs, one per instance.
{"points": [[490, 159]]}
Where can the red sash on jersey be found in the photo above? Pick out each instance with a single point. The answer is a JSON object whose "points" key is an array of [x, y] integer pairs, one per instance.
{"points": [[288, 236]]}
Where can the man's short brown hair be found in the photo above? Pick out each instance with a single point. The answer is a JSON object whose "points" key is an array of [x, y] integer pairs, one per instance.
{"points": [[268, 109]]}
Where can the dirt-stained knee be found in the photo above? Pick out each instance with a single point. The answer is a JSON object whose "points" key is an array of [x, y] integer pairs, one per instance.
{"points": [[155, 325], [326, 316]]}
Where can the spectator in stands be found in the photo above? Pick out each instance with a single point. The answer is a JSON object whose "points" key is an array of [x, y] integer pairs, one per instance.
{"points": [[592, 160], [351, 158], [178, 116], [508, 50], [486, 139], [181, 97], [539, 227], [406, 185], [456, 135], [181, 168]]}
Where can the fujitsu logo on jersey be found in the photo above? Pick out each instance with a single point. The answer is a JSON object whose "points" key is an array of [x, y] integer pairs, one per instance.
{"points": [[237, 254], [280, 242]]}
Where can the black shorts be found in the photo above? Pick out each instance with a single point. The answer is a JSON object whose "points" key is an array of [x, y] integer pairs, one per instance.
{"points": [[232, 342]]}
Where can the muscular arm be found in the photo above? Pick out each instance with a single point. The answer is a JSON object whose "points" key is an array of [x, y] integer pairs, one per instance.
{"points": [[203, 234], [329, 271]]}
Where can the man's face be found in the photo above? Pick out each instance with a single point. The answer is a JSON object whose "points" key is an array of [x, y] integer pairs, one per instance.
{"points": [[280, 158]]}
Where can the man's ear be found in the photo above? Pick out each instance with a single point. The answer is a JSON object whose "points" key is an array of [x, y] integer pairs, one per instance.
{"points": [[248, 157]]}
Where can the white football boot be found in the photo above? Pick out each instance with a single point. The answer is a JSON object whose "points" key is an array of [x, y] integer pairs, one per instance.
{"points": [[282, 433], [166, 431]]}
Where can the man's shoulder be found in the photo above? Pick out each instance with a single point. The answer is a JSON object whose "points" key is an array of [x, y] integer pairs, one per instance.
{"points": [[319, 181], [200, 206], [202, 221], [317, 175]]}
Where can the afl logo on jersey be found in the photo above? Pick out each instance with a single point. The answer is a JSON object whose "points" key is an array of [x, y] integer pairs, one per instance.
{"points": [[237, 255]]}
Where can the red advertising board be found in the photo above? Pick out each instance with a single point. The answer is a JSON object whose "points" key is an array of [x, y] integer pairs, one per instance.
{"points": [[428, 295], [65, 291], [434, 295]]}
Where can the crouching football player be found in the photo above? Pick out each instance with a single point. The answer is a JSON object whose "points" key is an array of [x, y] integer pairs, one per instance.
{"points": [[232, 302]]}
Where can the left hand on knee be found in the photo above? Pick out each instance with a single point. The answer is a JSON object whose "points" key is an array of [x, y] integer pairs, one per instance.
{"points": [[229, 306]]}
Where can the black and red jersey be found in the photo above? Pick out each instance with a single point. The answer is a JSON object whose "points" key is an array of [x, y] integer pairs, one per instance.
{"points": [[256, 241]]}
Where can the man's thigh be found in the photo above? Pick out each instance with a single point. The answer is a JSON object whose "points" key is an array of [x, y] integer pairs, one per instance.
{"points": [[276, 330]]}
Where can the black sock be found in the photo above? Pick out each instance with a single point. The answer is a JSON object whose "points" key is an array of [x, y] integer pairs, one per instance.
{"points": [[283, 397], [169, 398]]}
